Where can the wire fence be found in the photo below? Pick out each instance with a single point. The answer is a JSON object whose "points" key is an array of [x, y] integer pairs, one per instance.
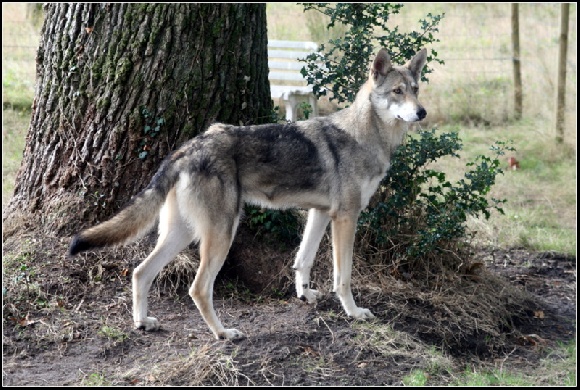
{"points": [[477, 80], [475, 83]]}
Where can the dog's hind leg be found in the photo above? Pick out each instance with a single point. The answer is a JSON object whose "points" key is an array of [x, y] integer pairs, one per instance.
{"points": [[343, 231], [174, 235], [313, 233], [214, 246]]}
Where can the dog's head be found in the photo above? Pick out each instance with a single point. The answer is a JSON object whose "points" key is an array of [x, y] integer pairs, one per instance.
{"points": [[395, 88]]}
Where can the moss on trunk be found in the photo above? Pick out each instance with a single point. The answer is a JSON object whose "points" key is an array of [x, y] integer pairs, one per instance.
{"points": [[120, 85]]}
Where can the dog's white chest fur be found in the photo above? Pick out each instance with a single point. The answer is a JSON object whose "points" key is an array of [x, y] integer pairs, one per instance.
{"points": [[368, 188]]}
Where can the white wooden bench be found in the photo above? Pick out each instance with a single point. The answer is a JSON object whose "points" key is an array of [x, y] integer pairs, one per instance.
{"points": [[286, 81]]}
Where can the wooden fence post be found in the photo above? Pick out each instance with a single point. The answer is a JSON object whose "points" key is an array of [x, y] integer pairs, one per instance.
{"points": [[516, 59], [561, 91]]}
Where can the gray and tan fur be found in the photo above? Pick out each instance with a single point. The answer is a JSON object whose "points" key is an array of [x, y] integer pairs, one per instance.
{"points": [[330, 165]]}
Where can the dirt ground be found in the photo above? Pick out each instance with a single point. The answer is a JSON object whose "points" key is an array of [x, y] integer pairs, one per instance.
{"points": [[79, 330]]}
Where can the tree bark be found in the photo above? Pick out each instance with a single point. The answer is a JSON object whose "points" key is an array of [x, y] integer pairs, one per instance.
{"points": [[119, 86]]}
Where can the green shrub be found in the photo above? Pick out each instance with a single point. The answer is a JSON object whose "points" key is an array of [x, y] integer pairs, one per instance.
{"points": [[417, 213], [416, 209], [281, 227], [342, 64]]}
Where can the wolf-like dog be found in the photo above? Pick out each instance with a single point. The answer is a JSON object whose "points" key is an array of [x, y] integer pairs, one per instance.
{"points": [[330, 165]]}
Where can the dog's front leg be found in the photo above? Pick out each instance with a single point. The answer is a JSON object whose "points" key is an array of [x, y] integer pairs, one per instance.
{"points": [[313, 233], [343, 231]]}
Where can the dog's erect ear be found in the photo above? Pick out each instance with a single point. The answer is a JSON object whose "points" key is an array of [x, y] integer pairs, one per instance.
{"points": [[416, 64], [381, 65]]}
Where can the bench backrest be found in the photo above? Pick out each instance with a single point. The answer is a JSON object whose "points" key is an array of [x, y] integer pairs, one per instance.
{"points": [[283, 61]]}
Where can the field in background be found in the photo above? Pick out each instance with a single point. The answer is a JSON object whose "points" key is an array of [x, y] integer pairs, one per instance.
{"points": [[471, 94], [540, 208], [476, 82], [19, 43]]}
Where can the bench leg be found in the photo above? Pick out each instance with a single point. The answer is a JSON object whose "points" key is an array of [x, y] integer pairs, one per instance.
{"points": [[290, 104], [312, 100]]}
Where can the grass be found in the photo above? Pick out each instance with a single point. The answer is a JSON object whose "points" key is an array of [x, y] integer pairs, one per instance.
{"points": [[416, 378], [558, 368], [475, 83], [540, 208], [551, 372], [14, 127], [112, 333], [20, 39], [560, 365], [205, 364], [440, 370], [21, 291], [95, 379], [491, 378]]}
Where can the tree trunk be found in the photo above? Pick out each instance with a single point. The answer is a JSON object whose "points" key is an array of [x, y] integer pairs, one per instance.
{"points": [[119, 86]]}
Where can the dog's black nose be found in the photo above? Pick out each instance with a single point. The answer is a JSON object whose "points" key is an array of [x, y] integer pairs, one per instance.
{"points": [[422, 113]]}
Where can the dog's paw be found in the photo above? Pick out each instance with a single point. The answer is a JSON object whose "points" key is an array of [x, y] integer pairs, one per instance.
{"points": [[148, 323], [309, 295], [230, 334], [361, 314]]}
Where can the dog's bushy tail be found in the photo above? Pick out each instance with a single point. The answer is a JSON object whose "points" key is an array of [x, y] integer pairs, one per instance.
{"points": [[135, 219]]}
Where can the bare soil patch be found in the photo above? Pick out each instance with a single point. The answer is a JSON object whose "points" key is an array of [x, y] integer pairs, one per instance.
{"points": [[67, 321]]}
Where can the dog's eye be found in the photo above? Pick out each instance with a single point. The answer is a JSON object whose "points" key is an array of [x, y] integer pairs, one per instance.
{"points": [[416, 90], [397, 91]]}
